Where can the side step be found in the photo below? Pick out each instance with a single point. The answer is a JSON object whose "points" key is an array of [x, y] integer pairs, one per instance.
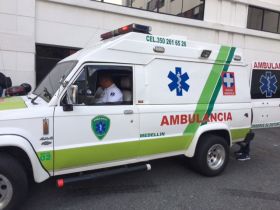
{"points": [[61, 182]]}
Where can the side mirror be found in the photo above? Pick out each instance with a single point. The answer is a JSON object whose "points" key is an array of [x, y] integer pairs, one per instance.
{"points": [[68, 107], [71, 98]]}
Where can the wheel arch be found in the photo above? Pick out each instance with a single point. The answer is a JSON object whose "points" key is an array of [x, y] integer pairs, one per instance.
{"points": [[21, 156], [21, 149], [219, 129]]}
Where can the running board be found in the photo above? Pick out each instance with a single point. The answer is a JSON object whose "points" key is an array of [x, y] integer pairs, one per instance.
{"points": [[61, 182]]}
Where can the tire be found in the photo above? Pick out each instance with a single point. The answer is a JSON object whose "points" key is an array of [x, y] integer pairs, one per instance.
{"points": [[13, 182], [212, 155]]}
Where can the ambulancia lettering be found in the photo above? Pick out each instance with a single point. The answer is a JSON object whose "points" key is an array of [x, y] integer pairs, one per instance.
{"points": [[194, 118], [266, 65]]}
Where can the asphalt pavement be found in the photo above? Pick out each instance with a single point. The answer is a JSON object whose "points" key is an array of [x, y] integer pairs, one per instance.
{"points": [[171, 185]]}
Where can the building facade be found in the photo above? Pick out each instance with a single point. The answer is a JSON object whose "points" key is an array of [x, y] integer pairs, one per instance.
{"points": [[35, 34]]}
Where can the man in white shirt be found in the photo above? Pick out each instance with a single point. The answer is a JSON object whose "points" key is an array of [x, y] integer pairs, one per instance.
{"points": [[108, 91]]}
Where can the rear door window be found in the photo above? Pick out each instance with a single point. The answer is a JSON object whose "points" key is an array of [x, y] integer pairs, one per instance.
{"points": [[265, 84]]}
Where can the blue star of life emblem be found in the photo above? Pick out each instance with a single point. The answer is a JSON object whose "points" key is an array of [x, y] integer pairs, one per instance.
{"points": [[268, 84], [178, 81], [100, 127]]}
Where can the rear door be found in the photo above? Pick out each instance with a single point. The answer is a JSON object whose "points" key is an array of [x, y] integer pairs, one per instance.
{"points": [[265, 94]]}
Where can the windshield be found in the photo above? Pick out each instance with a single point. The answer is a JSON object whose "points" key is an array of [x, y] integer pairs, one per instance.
{"points": [[51, 82]]}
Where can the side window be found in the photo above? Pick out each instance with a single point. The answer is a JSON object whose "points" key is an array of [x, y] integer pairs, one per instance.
{"points": [[265, 84], [104, 85]]}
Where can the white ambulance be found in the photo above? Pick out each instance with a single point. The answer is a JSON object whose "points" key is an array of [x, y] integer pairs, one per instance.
{"points": [[167, 96]]}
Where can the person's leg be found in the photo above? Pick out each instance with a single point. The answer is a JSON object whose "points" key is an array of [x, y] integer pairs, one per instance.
{"points": [[246, 148], [245, 155], [244, 152], [241, 148]]}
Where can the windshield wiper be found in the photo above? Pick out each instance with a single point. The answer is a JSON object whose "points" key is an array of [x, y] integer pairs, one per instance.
{"points": [[46, 94], [34, 99]]}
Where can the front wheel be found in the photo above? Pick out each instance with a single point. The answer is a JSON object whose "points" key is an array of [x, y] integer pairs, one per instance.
{"points": [[13, 182], [211, 155]]}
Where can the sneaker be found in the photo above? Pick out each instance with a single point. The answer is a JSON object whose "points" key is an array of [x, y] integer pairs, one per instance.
{"points": [[243, 157], [238, 153]]}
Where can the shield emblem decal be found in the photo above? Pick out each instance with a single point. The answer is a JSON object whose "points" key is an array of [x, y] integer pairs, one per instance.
{"points": [[100, 126]]}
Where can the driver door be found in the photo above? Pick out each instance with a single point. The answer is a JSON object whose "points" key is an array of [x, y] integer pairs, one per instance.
{"points": [[96, 135]]}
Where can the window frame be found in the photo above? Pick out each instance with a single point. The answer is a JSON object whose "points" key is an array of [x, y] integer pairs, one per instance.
{"points": [[263, 15], [253, 7], [253, 84], [81, 69], [263, 25]]}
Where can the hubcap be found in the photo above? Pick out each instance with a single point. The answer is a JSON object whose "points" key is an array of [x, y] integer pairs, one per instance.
{"points": [[216, 156], [6, 191]]}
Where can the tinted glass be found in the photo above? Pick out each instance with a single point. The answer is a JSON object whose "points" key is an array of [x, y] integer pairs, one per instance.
{"points": [[255, 18], [161, 3], [47, 57], [270, 21], [185, 8], [279, 25], [50, 84], [90, 90], [265, 84], [152, 5], [193, 9]]}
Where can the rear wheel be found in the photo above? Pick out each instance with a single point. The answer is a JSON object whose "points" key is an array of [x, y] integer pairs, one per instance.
{"points": [[13, 182], [211, 156]]}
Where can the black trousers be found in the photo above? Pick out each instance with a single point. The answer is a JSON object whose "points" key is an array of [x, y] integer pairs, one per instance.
{"points": [[245, 146]]}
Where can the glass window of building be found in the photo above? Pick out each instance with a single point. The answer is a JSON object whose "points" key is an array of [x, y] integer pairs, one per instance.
{"points": [[279, 25], [152, 5], [255, 18], [47, 57], [193, 9], [270, 21], [161, 3], [263, 20]]}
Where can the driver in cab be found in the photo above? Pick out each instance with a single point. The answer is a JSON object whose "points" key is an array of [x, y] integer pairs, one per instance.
{"points": [[108, 92]]}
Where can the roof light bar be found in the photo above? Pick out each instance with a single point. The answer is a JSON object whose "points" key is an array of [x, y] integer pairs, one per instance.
{"points": [[126, 29]]}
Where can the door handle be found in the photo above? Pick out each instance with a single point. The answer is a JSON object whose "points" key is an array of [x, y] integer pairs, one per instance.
{"points": [[129, 111]]}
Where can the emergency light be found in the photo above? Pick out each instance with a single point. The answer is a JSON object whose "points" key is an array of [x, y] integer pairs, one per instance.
{"points": [[126, 29]]}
